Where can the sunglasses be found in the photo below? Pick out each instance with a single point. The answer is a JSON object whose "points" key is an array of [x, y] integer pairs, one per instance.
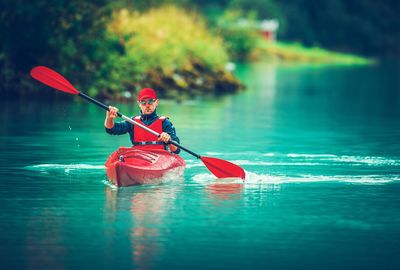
{"points": [[144, 102]]}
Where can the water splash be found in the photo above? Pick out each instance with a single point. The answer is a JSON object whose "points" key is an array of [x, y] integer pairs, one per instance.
{"points": [[67, 168], [110, 184], [256, 178], [306, 178]]}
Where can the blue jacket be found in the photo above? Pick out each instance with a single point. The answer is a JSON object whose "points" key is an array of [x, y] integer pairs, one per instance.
{"points": [[126, 127]]}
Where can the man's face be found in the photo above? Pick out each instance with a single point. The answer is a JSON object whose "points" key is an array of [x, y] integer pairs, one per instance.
{"points": [[148, 105]]}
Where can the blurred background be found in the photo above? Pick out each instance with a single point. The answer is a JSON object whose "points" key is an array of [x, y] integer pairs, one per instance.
{"points": [[184, 48]]}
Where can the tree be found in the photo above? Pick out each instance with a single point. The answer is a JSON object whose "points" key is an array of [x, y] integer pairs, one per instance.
{"points": [[60, 33]]}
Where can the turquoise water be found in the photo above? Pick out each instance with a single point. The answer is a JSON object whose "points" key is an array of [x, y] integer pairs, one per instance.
{"points": [[320, 146]]}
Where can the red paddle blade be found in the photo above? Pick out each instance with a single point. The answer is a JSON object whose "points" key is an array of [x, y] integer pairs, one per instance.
{"points": [[53, 79], [222, 168]]}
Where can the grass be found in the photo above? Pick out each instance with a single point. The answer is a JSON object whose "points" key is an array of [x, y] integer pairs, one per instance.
{"points": [[297, 53]]}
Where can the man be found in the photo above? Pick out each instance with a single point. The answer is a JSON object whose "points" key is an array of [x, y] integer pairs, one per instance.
{"points": [[140, 138]]}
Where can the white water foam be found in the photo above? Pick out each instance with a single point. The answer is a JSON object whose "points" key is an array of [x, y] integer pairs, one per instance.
{"points": [[205, 178], [268, 154], [109, 184], [373, 161], [369, 160], [321, 160], [265, 163], [193, 163], [172, 176], [255, 178], [281, 179], [310, 155], [67, 168], [294, 159]]}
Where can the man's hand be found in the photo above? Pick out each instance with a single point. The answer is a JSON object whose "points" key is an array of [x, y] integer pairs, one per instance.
{"points": [[165, 137], [112, 112], [111, 115]]}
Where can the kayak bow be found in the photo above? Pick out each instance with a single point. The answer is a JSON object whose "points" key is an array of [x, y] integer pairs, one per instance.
{"points": [[129, 166]]}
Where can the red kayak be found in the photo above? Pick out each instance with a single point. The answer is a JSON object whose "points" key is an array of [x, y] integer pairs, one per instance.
{"points": [[128, 166]]}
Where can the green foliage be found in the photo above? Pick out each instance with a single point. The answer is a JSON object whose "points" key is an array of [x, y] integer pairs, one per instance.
{"points": [[244, 41], [239, 32], [298, 53], [63, 35], [166, 37], [263, 9], [165, 40], [145, 5], [362, 27], [365, 27], [103, 52]]}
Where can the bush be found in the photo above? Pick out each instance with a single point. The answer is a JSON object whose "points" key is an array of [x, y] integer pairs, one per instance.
{"points": [[167, 37], [239, 32], [166, 45]]}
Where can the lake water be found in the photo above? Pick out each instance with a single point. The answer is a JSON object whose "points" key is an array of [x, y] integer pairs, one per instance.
{"points": [[320, 146]]}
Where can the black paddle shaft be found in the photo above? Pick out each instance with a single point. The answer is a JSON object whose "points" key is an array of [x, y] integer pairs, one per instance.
{"points": [[105, 107], [98, 103]]}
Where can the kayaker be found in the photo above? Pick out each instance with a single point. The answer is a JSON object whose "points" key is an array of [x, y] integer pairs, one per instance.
{"points": [[140, 138]]}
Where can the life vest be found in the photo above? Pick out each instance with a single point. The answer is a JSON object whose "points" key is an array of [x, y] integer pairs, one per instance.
{"points": [[144, 139]]}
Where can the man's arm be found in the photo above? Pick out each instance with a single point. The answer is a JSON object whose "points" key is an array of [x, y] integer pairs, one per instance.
{"points": [[169, 128], [115, 128]]}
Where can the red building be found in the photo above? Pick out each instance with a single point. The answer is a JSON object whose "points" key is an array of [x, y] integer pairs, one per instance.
{"points": [[268, 29]]}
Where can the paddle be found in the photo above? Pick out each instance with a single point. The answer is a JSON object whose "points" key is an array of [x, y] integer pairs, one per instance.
{"points": [[220, 168]]}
